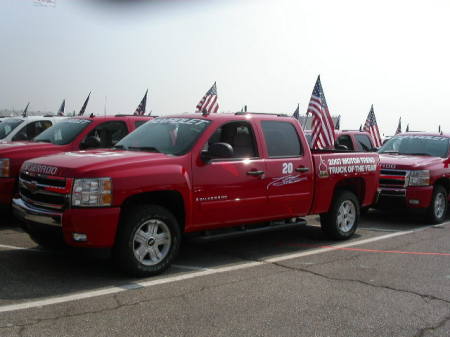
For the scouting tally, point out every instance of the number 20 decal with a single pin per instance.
(288, 168)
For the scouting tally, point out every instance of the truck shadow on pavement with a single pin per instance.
(35, 273)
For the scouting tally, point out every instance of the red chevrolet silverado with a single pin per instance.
(351, 140)
(415, 174)
(68, 135)
(209, 176)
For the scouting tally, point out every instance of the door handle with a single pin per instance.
(302, 169)
(255, 173)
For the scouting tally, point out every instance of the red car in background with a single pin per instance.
(77, 133)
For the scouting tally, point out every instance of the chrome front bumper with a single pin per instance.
(28, 213)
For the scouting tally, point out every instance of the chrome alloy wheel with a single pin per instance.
(151, 242)
(346, 216)
(439, 205)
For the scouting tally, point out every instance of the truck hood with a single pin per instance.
(403, 162)
(18, 149)
(92, 163)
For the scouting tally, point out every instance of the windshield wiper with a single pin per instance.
(390, 152)
(144, 148)
(416, 154)
(44, 140)
(120, 147)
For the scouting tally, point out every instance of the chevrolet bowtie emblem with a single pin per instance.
(32, 186)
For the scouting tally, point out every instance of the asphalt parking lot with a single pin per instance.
(391, 279)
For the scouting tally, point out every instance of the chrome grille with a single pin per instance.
(44, 191)
(393, 178)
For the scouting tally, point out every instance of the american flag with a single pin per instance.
(140, 110)
(322, 124)
(24, 113)
(338, 123)
(371, 127)
(208, 103)
(83, 108)
(399, 127)
(296, 114)
(61, 108)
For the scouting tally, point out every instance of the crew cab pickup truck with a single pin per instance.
(351, 140)
(203, 175)
(415, 173)
(68, 135)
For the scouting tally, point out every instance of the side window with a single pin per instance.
(364, 142)
(31, 130)
(139, 123)
(108, 133)
(239, 135)
(281, 139)
(346, 141)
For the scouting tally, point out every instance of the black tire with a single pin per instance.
(129, 244)
(437, 212)
(333, 227)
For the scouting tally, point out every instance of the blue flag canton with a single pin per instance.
(371, 120)
(212, 91)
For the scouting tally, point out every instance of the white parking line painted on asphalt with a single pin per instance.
(187, 276)
(179, 266)
(21, 248)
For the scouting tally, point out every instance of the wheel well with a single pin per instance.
(355, 185)
(445, 183)
(171, 200)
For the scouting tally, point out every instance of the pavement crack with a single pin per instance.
(425, 297)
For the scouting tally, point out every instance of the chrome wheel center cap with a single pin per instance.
(151, 242)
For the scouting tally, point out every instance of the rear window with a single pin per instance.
(281, 139)
(139, 123)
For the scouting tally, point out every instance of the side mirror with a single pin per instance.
(217, 150)
(90, 142)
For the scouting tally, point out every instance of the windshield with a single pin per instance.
(173, 136)
(433, 146)
(63, 132)
(6, 126)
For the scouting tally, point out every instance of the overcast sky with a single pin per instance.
(267, 54)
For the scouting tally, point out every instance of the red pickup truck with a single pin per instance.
(415, 174)
(212, 176)
(351, 140)
(68, 135)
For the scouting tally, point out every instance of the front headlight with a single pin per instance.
(4, 167)
(92, 192)
(419, 178)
